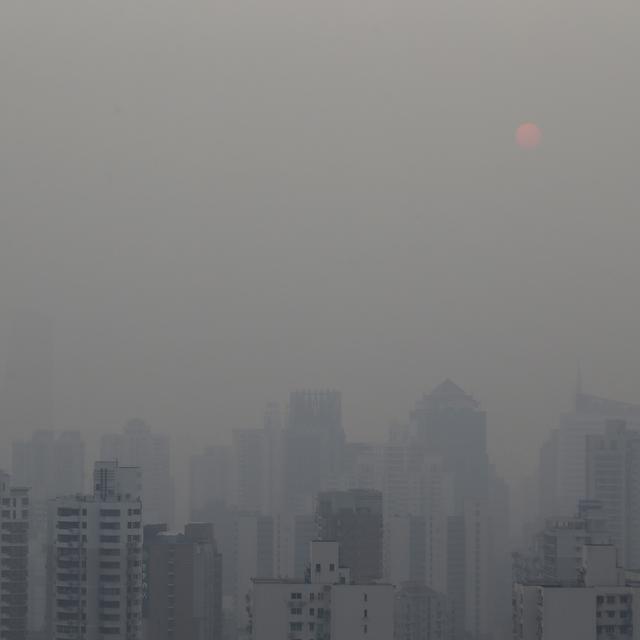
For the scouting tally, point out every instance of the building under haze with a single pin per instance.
(95, 559)
(184, 578)
(422, 613)
(563, 458)
(138, 446)
(604, 606)
(613, 481)
(450, 424)
(209, 481)
(327, 604)
(27, 391)
(354, 519)
(14, 551)
(50, 464)
(314, 443)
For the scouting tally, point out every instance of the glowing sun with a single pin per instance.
(528, 136)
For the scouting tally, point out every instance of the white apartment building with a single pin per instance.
(324, 605)
(14, 551)
(95, 559)
(605, 606)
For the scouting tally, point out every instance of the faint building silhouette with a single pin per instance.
(138, 446)
(354, 519)
(184, 574)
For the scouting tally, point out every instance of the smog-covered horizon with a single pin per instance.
(217, 203)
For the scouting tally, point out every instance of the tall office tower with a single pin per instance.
(613, 480)
(184, 574)
(564, 455)
(14, 552)
(422, 613)
(50, 465)
(327, 604)
(27, 401)
(95, 559)
(138, 446)
(354, 520)
(450, 424)
(249, 449)
(314, 447)
(209, 481)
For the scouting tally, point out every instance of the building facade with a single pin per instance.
(184, 576)
(325, 605)
(354, 519)
(606, 605)
(138, 446)
(14, 552)
(95, 559)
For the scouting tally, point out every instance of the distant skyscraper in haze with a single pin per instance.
(613, 481)
(50, 465)
(209, 481)
(449, 423)
(563, 459)
(27, 398)
(249, 448)
(354, 520)
(14, 556)
(184, 573)
(95, 559)
(314, 444)
(138, 446)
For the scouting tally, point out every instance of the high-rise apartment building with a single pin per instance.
(95, 559)
(354, 519)
(184, 576)
(327, 604)
(138, 446)
(14, 551)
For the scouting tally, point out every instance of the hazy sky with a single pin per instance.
(221, 201)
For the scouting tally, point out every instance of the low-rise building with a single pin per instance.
(324, 604)
(605, 605)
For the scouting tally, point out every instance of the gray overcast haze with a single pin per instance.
(218, 202)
